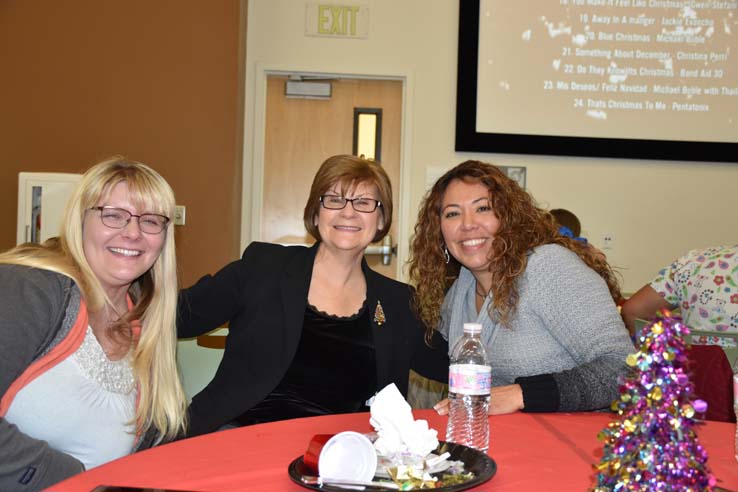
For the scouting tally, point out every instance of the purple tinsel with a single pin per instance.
(652, 446)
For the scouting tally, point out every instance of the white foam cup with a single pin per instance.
(348, 456)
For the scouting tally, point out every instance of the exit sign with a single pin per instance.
(338, 21)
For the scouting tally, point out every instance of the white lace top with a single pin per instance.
(82, 406)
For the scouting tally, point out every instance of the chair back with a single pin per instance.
(712, 377)
(727, 340)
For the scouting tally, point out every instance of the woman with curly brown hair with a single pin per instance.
(484, 252)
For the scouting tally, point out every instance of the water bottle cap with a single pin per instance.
(472, 328)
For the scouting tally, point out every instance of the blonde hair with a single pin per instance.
(162, 401)
(348, 171)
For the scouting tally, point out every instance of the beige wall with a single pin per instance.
(655, 209)
(157, 81)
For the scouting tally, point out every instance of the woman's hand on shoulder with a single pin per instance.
(504, 399)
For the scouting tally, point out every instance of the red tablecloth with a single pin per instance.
(534, 452)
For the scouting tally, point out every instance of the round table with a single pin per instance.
(533, 452)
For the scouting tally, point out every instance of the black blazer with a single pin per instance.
(263, 297)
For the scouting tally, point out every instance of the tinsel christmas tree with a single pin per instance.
(652, 446)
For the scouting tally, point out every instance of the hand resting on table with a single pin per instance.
(503, 399)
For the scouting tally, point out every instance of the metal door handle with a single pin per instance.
(386, 250)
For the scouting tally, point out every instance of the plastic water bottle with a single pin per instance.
(469, 384)
(735, 408)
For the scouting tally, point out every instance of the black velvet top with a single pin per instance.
(263, 297)
(334, 371)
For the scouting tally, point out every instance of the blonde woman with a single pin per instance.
(87, 332)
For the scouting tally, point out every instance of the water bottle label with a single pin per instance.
(469, 379)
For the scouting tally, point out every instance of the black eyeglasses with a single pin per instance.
(118, 218)
(335, 202)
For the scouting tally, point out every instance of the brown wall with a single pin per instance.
(159, 81)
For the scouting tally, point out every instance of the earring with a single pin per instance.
(445, 253)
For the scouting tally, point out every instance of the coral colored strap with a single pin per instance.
(63, 350)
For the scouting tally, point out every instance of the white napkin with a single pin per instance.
(398, 432)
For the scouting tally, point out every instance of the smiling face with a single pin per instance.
(347, 229)
(119, 256)
(469, 225)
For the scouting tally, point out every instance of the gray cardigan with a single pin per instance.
(38, 309)
(566, 345)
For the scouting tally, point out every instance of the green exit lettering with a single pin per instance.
(337, 20)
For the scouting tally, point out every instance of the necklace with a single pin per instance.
(479, 294)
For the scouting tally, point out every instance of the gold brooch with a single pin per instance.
(379, 318)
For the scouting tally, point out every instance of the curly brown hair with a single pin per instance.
(523, 226)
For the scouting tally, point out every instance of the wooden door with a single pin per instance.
(301, 133)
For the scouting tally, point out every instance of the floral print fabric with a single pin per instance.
(704, 284)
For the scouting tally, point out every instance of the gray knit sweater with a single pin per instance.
(566, 344)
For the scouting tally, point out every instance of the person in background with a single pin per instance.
(87, 332)
(554, 336)
(569, 224)
(312, 330)
(702, 283)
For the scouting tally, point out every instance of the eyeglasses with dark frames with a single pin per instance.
(118, 218)
(360, 204)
